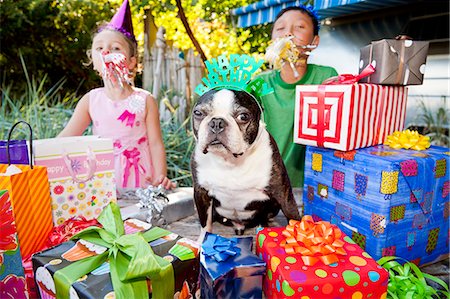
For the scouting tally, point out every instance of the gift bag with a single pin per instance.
(28, 189)
(12, 276)
(15, 151)
(81, 174)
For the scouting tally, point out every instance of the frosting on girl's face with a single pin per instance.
(106, 42)
(297, 24)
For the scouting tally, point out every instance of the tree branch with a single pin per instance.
(183, 18)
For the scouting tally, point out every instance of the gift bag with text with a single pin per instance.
(81, 174)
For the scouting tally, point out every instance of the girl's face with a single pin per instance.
(297, 24)
(108, 41)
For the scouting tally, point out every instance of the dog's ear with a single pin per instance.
(280, 188)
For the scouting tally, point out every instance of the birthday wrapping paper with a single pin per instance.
(12, 276)
(390, 202)
(180, 253)
(348, 116)
(307, 272)
(229, 269)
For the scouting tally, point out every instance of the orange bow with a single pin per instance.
(313, 240)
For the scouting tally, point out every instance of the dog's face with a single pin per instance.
(226, 122)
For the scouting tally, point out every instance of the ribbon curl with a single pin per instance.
(315, 241)
(407, 281)
(131, 260)
(349, 78)
(219, 248)
(408, 139)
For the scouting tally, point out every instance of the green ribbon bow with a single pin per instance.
(408, 282)
(131, 260)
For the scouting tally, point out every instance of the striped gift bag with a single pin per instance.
(30, 197)
(29, 193)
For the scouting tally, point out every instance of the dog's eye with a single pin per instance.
(243, 117)
(198, 113)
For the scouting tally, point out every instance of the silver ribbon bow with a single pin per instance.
(154, 200)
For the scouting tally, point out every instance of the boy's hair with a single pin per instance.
(305, 9)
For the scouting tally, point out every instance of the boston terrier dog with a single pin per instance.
(239, 177)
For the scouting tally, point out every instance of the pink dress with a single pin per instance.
(124, 122)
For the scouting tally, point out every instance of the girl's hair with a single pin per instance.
(305, 9)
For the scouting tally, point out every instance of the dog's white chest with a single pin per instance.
(236, 185)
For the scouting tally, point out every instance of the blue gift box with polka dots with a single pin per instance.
(391, 202)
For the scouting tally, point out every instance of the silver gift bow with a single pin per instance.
(154, 200)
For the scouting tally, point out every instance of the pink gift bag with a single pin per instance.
(81, 174)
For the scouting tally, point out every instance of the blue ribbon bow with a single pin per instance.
(220, 248)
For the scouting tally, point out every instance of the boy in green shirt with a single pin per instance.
(302, 24)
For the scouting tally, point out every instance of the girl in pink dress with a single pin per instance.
(120, 111)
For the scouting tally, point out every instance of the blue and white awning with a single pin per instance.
(266, 11)
(262, 12)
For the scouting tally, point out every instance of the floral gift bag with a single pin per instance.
(81, 174)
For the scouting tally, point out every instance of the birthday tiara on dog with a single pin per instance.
(234, 73)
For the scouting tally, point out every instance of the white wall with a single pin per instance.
(343, 54)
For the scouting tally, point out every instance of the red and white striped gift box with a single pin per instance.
(348, 116)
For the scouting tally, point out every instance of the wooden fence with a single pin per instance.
(172, 76)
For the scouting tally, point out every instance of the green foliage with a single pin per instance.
(436, 123)
(46, 110)
(53, 37)
(179, 144)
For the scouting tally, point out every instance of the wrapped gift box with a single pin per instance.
(397, 62)
(348, 116)
(229, 269)
(391, 202)
(181, 253)
(12, 276)
(350, 274)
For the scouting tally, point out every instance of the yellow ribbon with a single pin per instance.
(314, 241)
(408, 140)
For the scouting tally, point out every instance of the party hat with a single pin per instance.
(121, 21)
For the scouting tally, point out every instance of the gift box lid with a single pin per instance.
(230, 257)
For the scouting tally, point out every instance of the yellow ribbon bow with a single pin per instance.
(408, 140)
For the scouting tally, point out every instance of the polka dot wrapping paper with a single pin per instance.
(397, 62)
(355, 275)
(390, 202)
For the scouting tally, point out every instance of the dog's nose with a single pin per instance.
(217, 125)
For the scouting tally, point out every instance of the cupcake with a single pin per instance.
(82, 249)
(45, 283)
(134, 225)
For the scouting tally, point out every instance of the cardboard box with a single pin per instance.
(397, 62)
(391, 202)
(348, 116)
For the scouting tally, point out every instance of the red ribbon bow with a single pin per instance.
(349, 78)
(314, 241)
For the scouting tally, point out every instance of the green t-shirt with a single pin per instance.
(279, 108)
